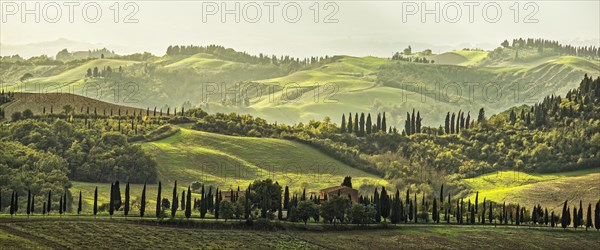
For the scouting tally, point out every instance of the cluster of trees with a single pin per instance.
(398, 57)
(106, 72)
(453, 124)
(88, 150)
(541, 44)
(243, 57)
(361, 127)
(65, 55)
(266, 199)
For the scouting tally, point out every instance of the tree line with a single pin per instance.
(268, 200)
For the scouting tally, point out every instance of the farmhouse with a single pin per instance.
(226, 195)
(341, 190)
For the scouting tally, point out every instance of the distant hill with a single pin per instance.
(289, 90)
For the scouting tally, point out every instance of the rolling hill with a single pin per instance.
(231, 161)
(548, 190)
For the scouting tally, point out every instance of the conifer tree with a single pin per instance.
(407, 124)
(183, 199)
(395, 213)
(111, 202)
(143, 203)
(580, 215)
(286, 198)
(350, 126)
(174, 205)
(418, 123)
(65, 202)
(204, 203)
(435, 215)
(60, 205)
(362, 124)
(377, 202)
(49, 203)
(188, 204)
(28, 202)
(483, 212)
(385, 204)
(552, 219)
(95, 201)
(413, 124)
(378, 125)
(369, 124)
(452, 123)
(356, 131)
(343, 126)
(12, 203)
(383, 123)
(565, 216)
(158, 199)
(218, 203)
(126, 208)
(588, 221)
(477, 202)
(575, 217)
(32, 204)
(597, 216)
(546, 220)
(79, 204)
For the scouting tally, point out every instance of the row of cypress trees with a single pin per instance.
(386, 207)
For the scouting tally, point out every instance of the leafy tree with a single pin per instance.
(305, 210)
(264, 195)
(347, 182)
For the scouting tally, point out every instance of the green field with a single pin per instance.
(111, 234)
(231, 161)
(549, 190)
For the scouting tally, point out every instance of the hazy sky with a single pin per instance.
(354, 27)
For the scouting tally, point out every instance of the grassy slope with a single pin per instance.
(550, 190)
(229, 161)
(74, 234)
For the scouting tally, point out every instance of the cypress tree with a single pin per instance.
(597, 216)
(356, 132)
(362, 124)
(49, 203)
(204, 203)
(580, 215)
(483, 212)
(377, 202)
(413, 124)
(126, 209)
(286, 198)
(369, 125)
(552, 219)
(247, 203)
(418, 122)
(435, 215)
(143, 203)
(79, 204)
(343, 126)
(350, 126)
(158, 199)
(546, 220)
(188, 204)
(28, 201)
(111, 202)
(378, 125)
(452, 123)
(183, 199)
(1, 208)
(407, 124)
(588, 221)
(565, 216)
(385, 204)
(12, 203)
(416, 207)
(65, 202)
(95, 201)
(44, 208)
(477, 202)
(60, 205)
(395, 216)
(174, 206)
(218, 204)
(383, 123)
(117, 194)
